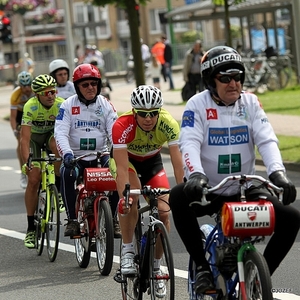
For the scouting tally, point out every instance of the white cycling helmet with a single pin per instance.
(146, 97)
(58, 64)
(24, 78)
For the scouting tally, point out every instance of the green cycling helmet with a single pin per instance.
(41, 82)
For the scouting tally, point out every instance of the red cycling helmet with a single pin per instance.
(84, 72)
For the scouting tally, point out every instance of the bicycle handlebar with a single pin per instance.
(146, 191)
(242, 179)
(98, 154)
(50, 158)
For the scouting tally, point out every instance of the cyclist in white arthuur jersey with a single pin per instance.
(84, 124)
(219, 130)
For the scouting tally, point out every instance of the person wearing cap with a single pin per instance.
(219, 131)
(37, 128)
(192, 69)
(60, 71)
(19, 97)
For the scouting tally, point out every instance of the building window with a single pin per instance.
(88, 15)
(44, 52)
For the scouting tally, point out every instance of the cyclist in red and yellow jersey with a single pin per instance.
(37, 129)
(18, 98)
(138, 137)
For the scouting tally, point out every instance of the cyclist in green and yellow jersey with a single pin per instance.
(37, 129)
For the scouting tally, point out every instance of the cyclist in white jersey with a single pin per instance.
(83, 124)
(59, 69)
(219, 131)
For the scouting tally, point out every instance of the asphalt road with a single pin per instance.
(24, 275)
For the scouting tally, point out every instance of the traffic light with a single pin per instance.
(137, 9)
(5, 30)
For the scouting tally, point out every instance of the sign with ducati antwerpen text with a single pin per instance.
(245, 219)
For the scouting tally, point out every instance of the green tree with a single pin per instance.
(227, 4)
(130, 7)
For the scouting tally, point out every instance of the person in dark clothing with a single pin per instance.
(168, 56)
(191, 68)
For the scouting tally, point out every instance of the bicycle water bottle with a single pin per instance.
(143, 243)
(42, 200)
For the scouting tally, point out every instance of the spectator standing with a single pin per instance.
(155, 70)
(168, 56)
(94, 54)
(59, 70)
(158, 50)
(192, 68)
(146, 55)
(19, 97)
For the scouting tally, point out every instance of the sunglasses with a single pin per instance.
(87, 84)
(147, 113)
(47, 93)
(228, 78)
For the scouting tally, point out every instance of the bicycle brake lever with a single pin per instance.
(126, 194)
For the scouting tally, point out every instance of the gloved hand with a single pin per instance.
(122, 207)
(68, 160)
(280, 179)
(194, 185)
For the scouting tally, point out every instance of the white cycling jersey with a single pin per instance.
(80, 129)
(219, 140)
(66, 91)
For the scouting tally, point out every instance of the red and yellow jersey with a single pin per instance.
(18, 99)
(140, 144)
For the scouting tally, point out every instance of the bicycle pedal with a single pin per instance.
(212, 292)
(76, 237)
(118, 277)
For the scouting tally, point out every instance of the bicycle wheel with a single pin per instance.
(272, 81)
(104, 238)
(53, 224)
(162, 282)
(284, 75)
(82, 245)
(39, 219)
(130, 286)
(258, 283)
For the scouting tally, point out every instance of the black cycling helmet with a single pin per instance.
(220, 59)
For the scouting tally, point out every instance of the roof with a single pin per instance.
(206, 10)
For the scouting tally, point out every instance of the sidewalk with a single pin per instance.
(120, 96)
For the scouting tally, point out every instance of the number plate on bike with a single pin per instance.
(99, 180)
(248, 219)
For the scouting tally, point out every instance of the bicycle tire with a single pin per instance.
(53, 224)
(284, 75)
(104, 238)
(82, 245)
(130, 286)
(167, 276)
(39, 220)
(258, 282)
(272, 81)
